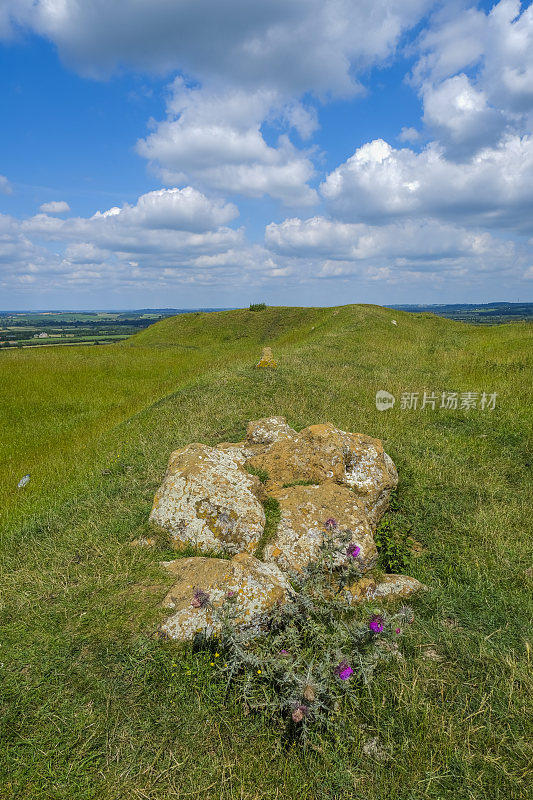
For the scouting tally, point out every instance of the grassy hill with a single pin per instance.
(89, 707)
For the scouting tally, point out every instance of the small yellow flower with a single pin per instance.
(212, 663)
(216, 655)
(259, 672)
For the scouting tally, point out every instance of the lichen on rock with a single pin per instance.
(314, 455)
(254, 585)
(322, 453)
(211, 498)
(388, 587)
(267, 359)
(207, 499)
(268, 430)
(370, 472)
(302, 528)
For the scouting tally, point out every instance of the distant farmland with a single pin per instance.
(39, 328)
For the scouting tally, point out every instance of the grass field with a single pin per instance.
(92, 706)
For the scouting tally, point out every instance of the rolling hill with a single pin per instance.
(90, 707)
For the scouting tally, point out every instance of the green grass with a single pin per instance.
(90, 706)
(272, 518)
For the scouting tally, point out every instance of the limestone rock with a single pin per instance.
(318, 454)
(370, 472)
(256, 587)
(301, 530)
(260, 434)
(389, 587)
(268, 430)
(322, 453)
(314, 455)
(238, 451)
(267, 359)
(208, 500)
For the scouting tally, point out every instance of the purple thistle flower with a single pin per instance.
(398, 630)
(284, 652)
(330, 524)
(353, 550)
(230, 594)
(343, 670)
(200, 598)
(376, 623)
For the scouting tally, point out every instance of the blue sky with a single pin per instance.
(308, 152)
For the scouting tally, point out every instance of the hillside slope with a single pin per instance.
(93, 707)
(54, 403)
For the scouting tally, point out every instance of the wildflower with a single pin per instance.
(200, 598)
(217, 655)
(259, 672)
(212, 663)
(299, 713)
(230, 594)
(398, 630)
(343, 670)
(376, 623)
(284, 652)
(353, 550)
(330, 524)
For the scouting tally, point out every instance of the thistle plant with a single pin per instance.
(310, 652)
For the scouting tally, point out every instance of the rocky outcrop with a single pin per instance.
(301, 529)
(208, 500)
(238, 451)
(259, 434)
(326, 481)
(314, 455)
(202, 585)
(323, 453)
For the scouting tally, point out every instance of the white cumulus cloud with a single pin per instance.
(179, 209)
(214, 139)
(166, 231)
(420, 242)
(295, 45)
(424, 252)
(460, 117)
(378, 182)
(475, 74)
(55, 207)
